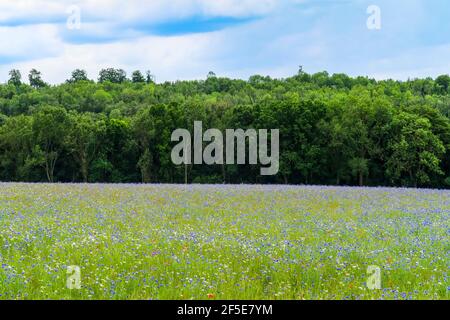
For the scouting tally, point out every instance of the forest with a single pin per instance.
(334, 129)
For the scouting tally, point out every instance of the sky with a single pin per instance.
(185, 39)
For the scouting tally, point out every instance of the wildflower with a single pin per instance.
(211, 296)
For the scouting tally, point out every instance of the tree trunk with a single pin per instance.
(84, 170)
(224, 173)
(50, 167)
(47, 171)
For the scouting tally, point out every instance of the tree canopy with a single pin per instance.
(334, 129)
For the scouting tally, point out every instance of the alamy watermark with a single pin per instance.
(235, 139)
(74, 278)
(374, 19)
(374, 279)
(74, 20)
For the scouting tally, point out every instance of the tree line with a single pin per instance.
(334, 129)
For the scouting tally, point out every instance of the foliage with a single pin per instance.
(334, 129)
(231, 242)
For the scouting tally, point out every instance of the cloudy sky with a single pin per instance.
(184, 39)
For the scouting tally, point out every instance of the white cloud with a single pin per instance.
(11, 10)
(169, 58)
(134, 10)
(287, 36)
(29, 41)
(406, 65)
(237, 7)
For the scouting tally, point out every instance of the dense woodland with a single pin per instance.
(334, 129)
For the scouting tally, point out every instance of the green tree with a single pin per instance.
(443, 83)
(112, 75)
(35, 79)
(416, 152)
(78, 75)
(16, 141)
(15, 77)
(137, 77)
(144, 131)
(333, 129)
(150, 78)
(84, 139)
(50, 128)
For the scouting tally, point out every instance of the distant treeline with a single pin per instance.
(334, 129)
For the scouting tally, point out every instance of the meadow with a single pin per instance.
(222, 242)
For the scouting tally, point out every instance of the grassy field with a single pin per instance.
(222, 242)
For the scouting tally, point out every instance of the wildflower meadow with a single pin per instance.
(222, 242)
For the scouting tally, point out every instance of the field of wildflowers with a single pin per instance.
(222, 242)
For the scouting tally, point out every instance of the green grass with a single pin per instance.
(222, 242)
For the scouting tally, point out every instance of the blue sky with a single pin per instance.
(184, 39)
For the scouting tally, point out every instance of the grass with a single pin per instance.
(222, 242)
